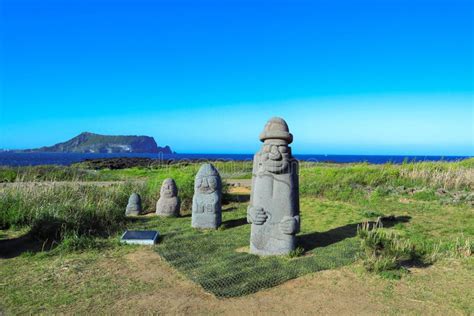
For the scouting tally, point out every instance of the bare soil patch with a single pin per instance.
(327, 292)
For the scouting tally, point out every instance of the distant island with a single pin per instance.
(95, 143)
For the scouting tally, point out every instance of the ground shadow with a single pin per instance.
(13, 247)
(230, 209)
(315, 240)
(228, 198)
(140, 220)
(234, 223)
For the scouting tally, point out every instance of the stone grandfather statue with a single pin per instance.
(274, 201)
(207, 212)
(134, 206)
(168, 203)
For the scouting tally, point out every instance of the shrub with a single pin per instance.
(298, 252)
(384, 250)
(7, 175)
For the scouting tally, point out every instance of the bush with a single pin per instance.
(7, 175)
(384, 250)
(297, 252)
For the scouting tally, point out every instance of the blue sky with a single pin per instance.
(350, 77)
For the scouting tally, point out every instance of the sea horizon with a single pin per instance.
(16, 159)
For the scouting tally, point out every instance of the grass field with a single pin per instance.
(60, 251)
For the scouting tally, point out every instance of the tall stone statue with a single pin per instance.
(134, 206)
(274, 201)
(168, 203)
(207, 212)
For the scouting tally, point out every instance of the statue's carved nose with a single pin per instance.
(274, 154)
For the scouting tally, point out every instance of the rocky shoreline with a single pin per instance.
(130, 162)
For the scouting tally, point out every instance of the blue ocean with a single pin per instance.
(33, 159)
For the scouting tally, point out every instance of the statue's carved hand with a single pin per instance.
(256, 215)
(289, 225)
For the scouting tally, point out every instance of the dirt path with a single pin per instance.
(331, 292)
(243, 183)
(336, 292)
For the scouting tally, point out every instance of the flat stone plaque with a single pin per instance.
(140, 237)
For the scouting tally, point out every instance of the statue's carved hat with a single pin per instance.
(207, 170)
(276, 128)
(170, 182)
(134, 199)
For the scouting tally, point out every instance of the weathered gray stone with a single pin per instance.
(274, 201)
(207, 212)
(134, 206)
(168, 203)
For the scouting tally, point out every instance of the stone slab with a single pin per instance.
(140, 237)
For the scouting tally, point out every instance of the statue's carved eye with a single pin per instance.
(212, 183)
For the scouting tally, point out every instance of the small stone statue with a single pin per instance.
(134, 206)
(207, 212)
(274, 201)
(168, 203)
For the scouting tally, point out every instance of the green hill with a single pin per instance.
(94, 143)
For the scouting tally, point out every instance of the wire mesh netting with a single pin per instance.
(217, 260)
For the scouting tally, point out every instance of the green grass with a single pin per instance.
(53, 281)
(213, 258)
(334, 200)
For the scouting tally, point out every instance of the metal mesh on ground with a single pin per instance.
(213, 260)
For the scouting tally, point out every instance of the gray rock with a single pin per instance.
(441, 192)
(134, 206)
(168, 203)
(207, 211)
(274, 200)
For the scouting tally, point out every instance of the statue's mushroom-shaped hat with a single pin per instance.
(276, 128)
(169, 182)
(134, 198)
(207, 170)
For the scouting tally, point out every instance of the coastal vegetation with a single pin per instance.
(399, 224)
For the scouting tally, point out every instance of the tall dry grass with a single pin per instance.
(437, 175)
(53, 211)
(362, 180)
